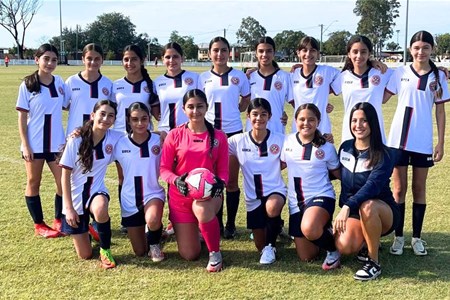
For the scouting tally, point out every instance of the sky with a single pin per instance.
(206, 19)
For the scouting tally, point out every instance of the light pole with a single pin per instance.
(60, 34)
(398, 31)
(405, 51)
(322, 31)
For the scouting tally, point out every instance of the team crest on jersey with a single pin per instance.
(278, 85)
(105, 91)
(61, 90)
(146, 89)
(375, 80)
(433, 86)
(235, 80)
(318, 80)
(189, 81)
(274, 149)
(320, 154)
(156, 149)
(109, 149)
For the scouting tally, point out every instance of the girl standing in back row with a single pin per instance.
(418, 86)
(39, 103)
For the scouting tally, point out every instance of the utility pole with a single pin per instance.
(224, 33)
(321, 36)
(405, 53)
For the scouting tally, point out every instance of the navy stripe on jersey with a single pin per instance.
(262, 147)
(127, 126)
(223, 77)
(177, 81)
(267, 82)
(218, 115)
(139, 192)
(144, 149)
(257, 179)
(365, 79)
(92, 85)
(407, 117)
(98, 150)
(299, 191)
(47, 132)
(307, 149)
(52, 89)
(423, 79)
(172, 116)
(86, 194)
(86, 117)
(309, 78)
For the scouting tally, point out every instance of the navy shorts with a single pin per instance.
(257, 218)
(395, 215)
(83, 226)
(48, 156)
(405, 158)
(136, 220)
(295, 220)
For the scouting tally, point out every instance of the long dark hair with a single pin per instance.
(137, 106)
(32, 81)
(308, 40)
(172, 45)
(376, 148)
(92, 47)
(353, 40)
(137, 50)
(270, 41)
(219, 39)
(259, 103)
(196, 93)
(87, 144)
(318, 139)
(426, 37)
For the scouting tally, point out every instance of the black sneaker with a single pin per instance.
(369, 271)
(229, 233)
(363, 255)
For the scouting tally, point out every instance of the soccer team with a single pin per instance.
(199, 125)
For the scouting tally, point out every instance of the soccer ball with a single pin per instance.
(199, 182)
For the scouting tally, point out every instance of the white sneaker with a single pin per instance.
(418, 246)
(215, 263)
(397, 246)
(268, 255)
(155, 253)
(332, 261)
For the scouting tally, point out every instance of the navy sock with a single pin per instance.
(418, 215)
(232, 208)
(104, 232)
(58, 206)
(401, 220)
(119, 190)
(154, 237)
(326, 241)
(273, 229)
(35, 208)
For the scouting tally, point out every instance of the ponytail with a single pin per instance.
(212, 136)
(32, 82)
(438, 91)
(152, 98)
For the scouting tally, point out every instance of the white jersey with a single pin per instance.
(223, 92)
(140, 164)
(314, 88)
(81, 97)
(125, 93)
(368, 87)
(171, 91)
(45, 130)
(84, 186)
(412, 125)
(260, 164)
(275, 88)
(308, 168)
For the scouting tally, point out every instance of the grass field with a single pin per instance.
(36, 268)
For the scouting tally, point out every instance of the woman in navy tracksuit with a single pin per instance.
(368, 210)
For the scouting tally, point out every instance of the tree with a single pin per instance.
(74, 41)
(287, 41)
(16, 16)
(443, 44)
(113, 31)
(392, 46)
(190, 49)
(337, 43)
(249, 32)
(377, 20)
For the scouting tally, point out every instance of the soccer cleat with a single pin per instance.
(397, 246)
(363, 255)
(268, 255)
(44, 230)
(215, 262)
(332, 261)
(229, 232)
(93, 232)
(418, 246)
(57, 225)
(107, 259)
(155, 253)
(371, 270)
